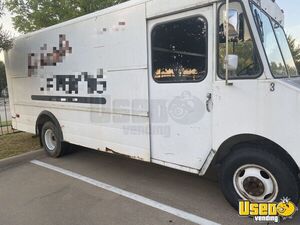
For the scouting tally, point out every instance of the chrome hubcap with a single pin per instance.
(255, 183)
(50, 140)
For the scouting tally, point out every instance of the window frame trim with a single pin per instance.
(244, 77)
(206, 52)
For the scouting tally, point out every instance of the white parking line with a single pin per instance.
(177, 212)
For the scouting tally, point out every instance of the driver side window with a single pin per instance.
(241, 43)
(179, 51)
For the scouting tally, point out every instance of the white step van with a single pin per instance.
(180, 83)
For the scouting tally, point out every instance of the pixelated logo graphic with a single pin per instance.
(120, 26)
(266, 212)
(186, 109)
(67, 86)
(57, 55)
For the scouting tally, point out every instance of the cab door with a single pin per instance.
(180, 85)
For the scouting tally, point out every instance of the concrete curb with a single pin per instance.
(19, 159)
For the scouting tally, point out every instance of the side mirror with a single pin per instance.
(233, 62)
(234, 23)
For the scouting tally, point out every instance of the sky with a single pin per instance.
(292, 20)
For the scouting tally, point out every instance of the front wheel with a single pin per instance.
(257, 175)
(51, 140)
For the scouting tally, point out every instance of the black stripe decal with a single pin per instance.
(85, 100)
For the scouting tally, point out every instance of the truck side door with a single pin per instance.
(180, 80)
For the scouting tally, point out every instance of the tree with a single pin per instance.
(5, 44)
(295, 48)
(5, 39)
(31, 15)
(3, 83)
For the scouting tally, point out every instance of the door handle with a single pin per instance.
(208, 102)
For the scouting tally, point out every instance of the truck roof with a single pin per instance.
(155, 8)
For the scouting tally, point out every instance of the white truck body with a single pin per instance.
(127, 111)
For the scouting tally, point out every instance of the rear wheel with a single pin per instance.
(51, 140)
(258, 175)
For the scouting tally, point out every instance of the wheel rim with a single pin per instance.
(255, 183)
(50, 140)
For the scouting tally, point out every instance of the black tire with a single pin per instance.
(58, 147)
(286, 178)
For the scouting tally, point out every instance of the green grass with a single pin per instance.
(5, 123)
(17, 143)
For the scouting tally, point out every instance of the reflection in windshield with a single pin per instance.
(276, 46)
(287, 55)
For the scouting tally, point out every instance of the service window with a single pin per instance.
(179, 51)
(241, 43)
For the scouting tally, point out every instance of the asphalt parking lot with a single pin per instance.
(88, 187)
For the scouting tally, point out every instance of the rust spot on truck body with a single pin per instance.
(108, 150)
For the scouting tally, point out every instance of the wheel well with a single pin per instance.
(44, 117)
(235, 143)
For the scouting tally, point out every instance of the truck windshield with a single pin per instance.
(275, 44)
